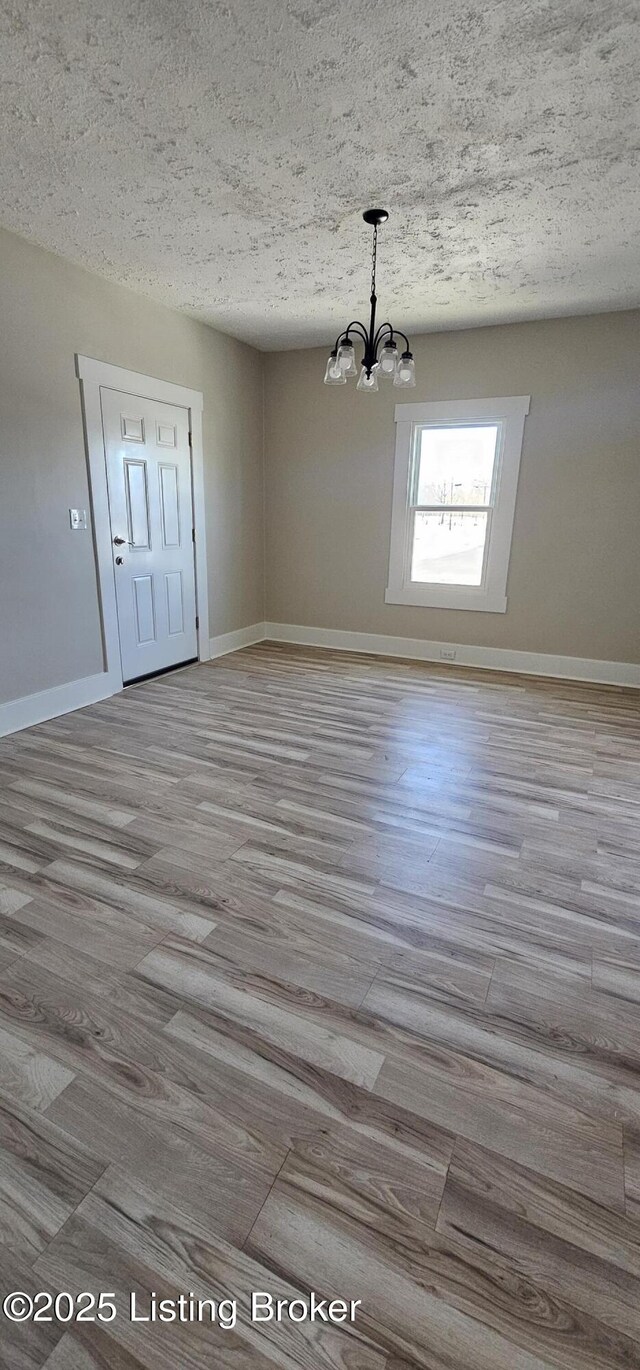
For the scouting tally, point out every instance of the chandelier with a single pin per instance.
(380, 355)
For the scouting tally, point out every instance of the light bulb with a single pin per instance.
(366, 382)
(347, 359)
(405, 370)
(388, 359)
(333, 374)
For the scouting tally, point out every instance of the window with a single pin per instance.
(456, 474)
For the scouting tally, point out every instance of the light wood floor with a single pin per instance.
(323, 972)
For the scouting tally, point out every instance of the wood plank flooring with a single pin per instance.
(322, 972)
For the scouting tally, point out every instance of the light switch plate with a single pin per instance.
(78, 518)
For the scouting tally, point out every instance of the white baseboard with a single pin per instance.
(232, 642)
(61, 699)
(491, 658)
(77, 694)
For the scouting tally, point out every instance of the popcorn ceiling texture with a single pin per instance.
(216, 156)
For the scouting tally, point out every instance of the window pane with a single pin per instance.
(448, 548)
(456, 464)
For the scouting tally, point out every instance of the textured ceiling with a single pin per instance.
(216, 154)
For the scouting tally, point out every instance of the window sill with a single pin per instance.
(448, 597)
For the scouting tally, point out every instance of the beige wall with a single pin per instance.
(574, 578)
(49, 310)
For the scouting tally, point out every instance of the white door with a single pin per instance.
(150, 501)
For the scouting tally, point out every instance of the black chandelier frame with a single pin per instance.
(372, 337)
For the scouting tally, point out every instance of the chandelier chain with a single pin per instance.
(374, 254)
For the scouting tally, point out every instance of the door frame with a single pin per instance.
(93, 375)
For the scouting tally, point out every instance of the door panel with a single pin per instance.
(175, 603)
(165, 434)
(170, 507)
(145, 619)
(132, 429)
(137, 494)
(150, 503)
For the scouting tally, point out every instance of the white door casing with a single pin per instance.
(95, 375)
(149, 481)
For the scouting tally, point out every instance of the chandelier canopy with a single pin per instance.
(380, 356)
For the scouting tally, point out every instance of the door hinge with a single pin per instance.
(193, 534)
(190, 438)
(197, 621)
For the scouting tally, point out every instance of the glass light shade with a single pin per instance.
(366, 382)
(347, 359)
(333, 374)
(405, 371)
(388, 359)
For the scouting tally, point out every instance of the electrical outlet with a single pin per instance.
(447, 653)
(78, 518)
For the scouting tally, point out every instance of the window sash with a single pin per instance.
(417, 429)
(446, 509)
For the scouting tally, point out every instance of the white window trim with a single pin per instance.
(491, 597)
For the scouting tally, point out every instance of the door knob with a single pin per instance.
(119, 561)
(119, 542)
